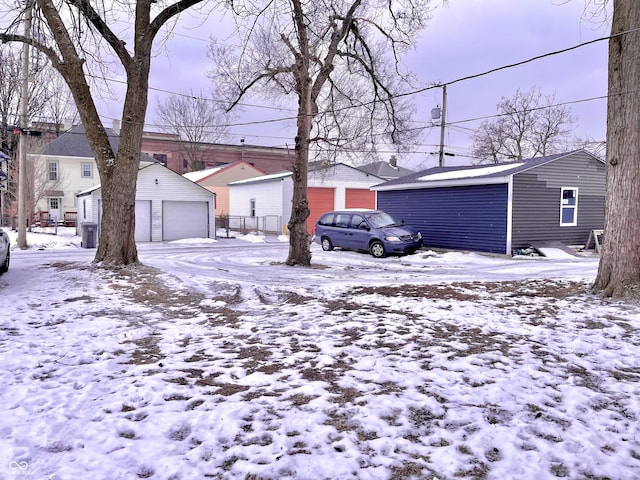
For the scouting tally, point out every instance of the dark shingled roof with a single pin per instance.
(74, 143)
(385, 170)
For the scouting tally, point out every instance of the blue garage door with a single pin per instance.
(461, 218)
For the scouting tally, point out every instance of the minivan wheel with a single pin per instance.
(327, 246)
(377, 249)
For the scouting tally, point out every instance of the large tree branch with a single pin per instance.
(93, 17)
(51, 54)
(270, 74)
(171, 11)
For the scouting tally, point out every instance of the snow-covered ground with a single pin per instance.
(216, 360)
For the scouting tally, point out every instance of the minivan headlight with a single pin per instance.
(392, 238)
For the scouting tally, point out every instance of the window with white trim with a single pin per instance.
(52, 171)
(568, 207)
(87, 170)
(252, 207)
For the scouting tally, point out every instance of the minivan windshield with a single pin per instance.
(381, 220)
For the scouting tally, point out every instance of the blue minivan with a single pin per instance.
(374, 231)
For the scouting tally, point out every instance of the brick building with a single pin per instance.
(168, 149)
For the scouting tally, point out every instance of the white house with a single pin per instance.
(264, 203)
(65, 167)
(168, 206)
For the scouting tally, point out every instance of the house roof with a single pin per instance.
(74, 143)
(208, 172)
(385, 170)
(313, 168)
(470, 175)
(320, 167)
(263, 178)
(143, 165)
(202, 174)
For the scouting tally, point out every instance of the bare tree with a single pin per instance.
(619, 269)
(70, 34)
(597, 148)
(10, 79)
(197, 121)
(340, 60)
(60, 108)
(528, 125)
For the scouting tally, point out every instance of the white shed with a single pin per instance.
(262, 201)
(168, 206)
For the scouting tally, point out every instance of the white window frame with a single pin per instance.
(83, 171)
(565, 206)
(252, 207)
(52, 171)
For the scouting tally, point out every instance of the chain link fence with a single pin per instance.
(272, 224)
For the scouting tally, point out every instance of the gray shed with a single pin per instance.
(500, 208)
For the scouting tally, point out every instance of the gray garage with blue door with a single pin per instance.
(500, 208)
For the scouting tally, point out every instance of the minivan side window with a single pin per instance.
(326, 220)
(343, 220)
(357, 221)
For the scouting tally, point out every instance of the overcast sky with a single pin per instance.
(466, 37)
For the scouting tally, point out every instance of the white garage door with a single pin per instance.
(184, 220)
(143, 220)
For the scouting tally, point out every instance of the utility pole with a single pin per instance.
(24, 110)
(442, 124)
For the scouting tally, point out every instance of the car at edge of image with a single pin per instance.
(5, 252)
(374, 231)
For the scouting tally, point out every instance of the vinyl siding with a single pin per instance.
(269, 197)
(222, 199)
(70, 179)
(170, 186)
(536, 201)
(460, 218)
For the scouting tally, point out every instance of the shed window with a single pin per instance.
(252, 207)
(568, 207)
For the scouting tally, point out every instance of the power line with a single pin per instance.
(414, 92)
(523, 62)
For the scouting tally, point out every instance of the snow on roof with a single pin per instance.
(263, 178)
(201, 174)
(476, 172)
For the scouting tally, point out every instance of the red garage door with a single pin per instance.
(360, 198)
(320, 201)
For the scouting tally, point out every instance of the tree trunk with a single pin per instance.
(117, 235)
(619, 270)
(299, 242)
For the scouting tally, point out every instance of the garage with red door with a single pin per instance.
(360, 198)
(321, 200)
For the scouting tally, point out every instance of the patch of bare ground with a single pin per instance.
(472, 291)
(146, 350)
(147, 286)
